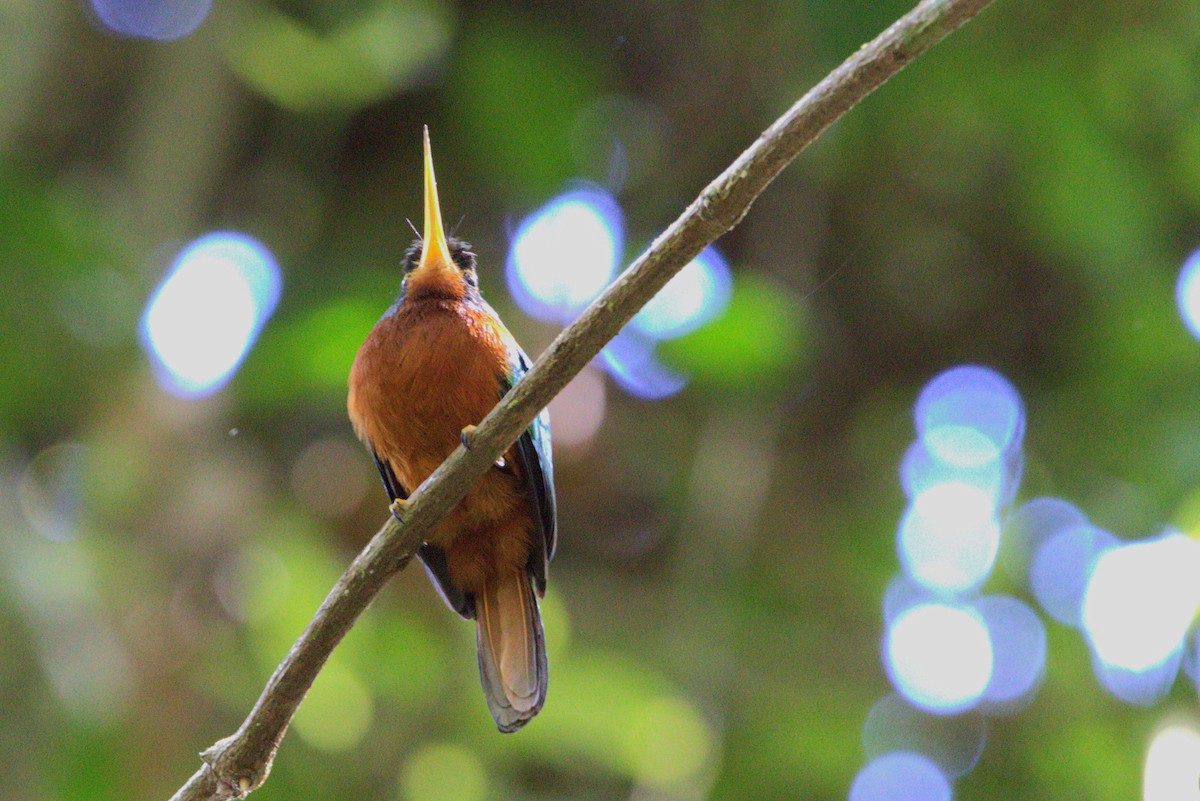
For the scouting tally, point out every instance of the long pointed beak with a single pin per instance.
(435, 251)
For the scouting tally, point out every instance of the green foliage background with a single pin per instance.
(1023, 197)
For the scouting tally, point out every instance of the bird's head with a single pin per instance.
(436, 266)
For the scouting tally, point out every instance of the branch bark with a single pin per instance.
(238, 764)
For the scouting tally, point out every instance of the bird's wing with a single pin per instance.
(393, 487)
(534, 458)
(434, 558)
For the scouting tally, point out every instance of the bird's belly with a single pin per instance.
(414, 388)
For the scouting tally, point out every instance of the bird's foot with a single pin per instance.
(397, 509)
(465, 437)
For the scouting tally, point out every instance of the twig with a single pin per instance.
(238, 764)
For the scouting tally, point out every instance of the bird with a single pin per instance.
(432, 367)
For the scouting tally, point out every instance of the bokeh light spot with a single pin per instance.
(331, 478)
(921, 470)
(1190, 663)
(162, 20)
(696, 295)
(901, 593)
(1060, 567)
(1019, 651)
(939, 657)
(89, 669)
(1142, 687)
(337, 711)
(949, 537)
(969, 415)
(1031, 524)
(253, 584)
(669, 743)
(631, 361)
(1187, 294)
(953, 742)
(1140, 600)
(50, 491)
(443, 772)
(202, 319)
(1172, 769)
(763, 339)
(1037, 519)
(620, 141)
(578, 411)
(900, 777)
(565, 254)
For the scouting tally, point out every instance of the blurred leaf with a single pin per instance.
(367, 57)
(775, 746)
(1185, 162)
(408, 659)
(517, 88)
(1089, 199)
(50, 252)
(309, 355)
(444, 772)
(1146, 84)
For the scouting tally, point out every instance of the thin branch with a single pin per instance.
(238, 764)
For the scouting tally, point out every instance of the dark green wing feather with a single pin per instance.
(536, 465)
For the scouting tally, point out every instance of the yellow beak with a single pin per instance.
(435, 251)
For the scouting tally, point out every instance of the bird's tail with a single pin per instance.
(512, 651)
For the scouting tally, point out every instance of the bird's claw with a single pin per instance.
(397, 509)
(465, 436)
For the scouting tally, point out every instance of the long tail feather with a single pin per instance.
(512, 651)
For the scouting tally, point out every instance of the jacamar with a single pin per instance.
(433, 366)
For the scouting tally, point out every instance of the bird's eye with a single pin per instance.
(461, 254)
(464, 260)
